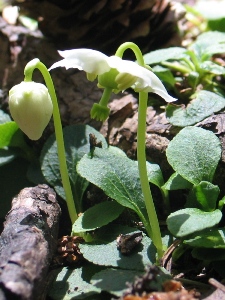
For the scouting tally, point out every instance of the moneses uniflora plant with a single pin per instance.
(31, 108)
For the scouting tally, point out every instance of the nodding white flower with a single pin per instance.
(91, 61)
(113, 72)
(31, 107)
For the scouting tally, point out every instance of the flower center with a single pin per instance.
(108, 79)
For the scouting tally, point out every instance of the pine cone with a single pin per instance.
(104, 24)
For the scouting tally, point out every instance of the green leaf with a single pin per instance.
(177, 182)
(93, 217)
(189, 220)
(218, 24)
(154, 174)
(213, 68)
(12, 143)
(165, 75)
(193, 79)
(105, 252)
(114, 281)
(214, 238)
(7, 155)
(7, 131)
(157, 56)
(70, 284)
(221, 203)
(117, 176)
(208, 254)
(203, 196)
(203, 46)
(207, 195)
(205, 104)
(11, 137)
(194, 153)
(116, 151)
(76, 138)
(191, 201)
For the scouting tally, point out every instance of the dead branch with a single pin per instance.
(28, 242)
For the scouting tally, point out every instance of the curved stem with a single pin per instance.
(134, 48)
(141, 155)
(154, 231)
(28, 71)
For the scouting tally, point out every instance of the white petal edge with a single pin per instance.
(146, 80)
(88, 60)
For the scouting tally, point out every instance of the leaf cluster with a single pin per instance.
(112, 171)
(193, 154)
(194, 76)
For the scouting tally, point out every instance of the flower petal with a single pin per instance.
(146, 80)
(149, 82)
(96, 63)
(91, 61)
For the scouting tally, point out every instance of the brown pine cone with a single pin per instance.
(105, 24)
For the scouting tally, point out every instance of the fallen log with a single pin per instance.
(28, 242)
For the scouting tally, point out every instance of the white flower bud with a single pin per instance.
(31, 107)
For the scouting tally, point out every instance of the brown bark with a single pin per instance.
(28, 242)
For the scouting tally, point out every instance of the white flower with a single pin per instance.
(90, 61)
(128, 73)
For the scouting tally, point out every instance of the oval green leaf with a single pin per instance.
(143, 255)
(114, 281)
(70, 284)
(97, 216)
(176, 182)
(194, 153)
(205, 104)
(76, 139)
(189, 220)
(105, 252)
(157, 56)
(117, 176)
(214, 238)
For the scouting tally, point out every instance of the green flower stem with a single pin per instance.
(105, 97)
(141, 155)
(154, 231)
(28, 71)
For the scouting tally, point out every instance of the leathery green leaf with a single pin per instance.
(190, 220)
(117, 176)
(194, 153)
(97, 216)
